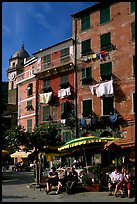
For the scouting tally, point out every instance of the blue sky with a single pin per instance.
(36, 24)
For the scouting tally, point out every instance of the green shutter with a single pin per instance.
(106, 69)
(29, 105)
(105, 40)
(46, 58)
(29, 125)
(133, 31)
(104, 15)
(46, 84)
(89, 72)
(46, 112)
(64, 52)
(86, 46)
(107, 105)
(85, 22)
(132, 7)
(87, 108)
(83, 73)
(63, 79)
(54, 112)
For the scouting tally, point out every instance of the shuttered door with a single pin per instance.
(105, 41)
(85, 22)
(29, 125)
(86, 47)
(87, 108)
(107, 105)
(104, 15)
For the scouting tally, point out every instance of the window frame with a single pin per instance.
(47, 60)
(29, 129)
(88, 112)
(64, 82)
(88, 50)
(85, 25)
(28, 92)
(104, 112)
(29, 105)
(109, 74)
(87, 79)
(45, 118)
(46, 87)
(103, 38)
(104, 15)
(132, 7)
(64, 55)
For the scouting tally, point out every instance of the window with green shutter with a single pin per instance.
(87, 75)
(29, 125)
(108, 105)
(54, 112)
(104, 15)
(106, 71)
(87, 108)
(46, 85)
(47, 61)
(86, 49)
(132, 7)
(105, 40)
(64, 81)
(46, 113)
(64, 55)
(85, 22)
(29, 105)
(65, 110)
(30, 90)
(133, 31)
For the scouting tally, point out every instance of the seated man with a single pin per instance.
(115, 177)
(72, 180)
(52, 180)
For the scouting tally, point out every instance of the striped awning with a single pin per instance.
(84, 141)
(122, 142)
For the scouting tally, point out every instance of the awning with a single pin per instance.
(5, 152)
(20, 154)
(85, 140)
(122, 142)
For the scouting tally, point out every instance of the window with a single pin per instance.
(46, 61)
(105, 40)
(64, 54)
(134, 65)
(46, 85)
(29, 105)
(106, 71)
(87, 76)
(65, 110)
(85, 22)
(54, 112)
(132, 7)
(13, 64)
(30, 90)
(66, 136)
(46, 113)
(108, 105)
(133, 31)
(133, 102)
(64, 81)
(29, 125)
(12, 84)
(86, 47)
(87, 108)
(104, 15)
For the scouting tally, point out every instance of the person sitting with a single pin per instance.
(52, 180)
(115, 176)
(126, 180)
(72, 180)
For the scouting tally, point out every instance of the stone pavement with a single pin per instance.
(16, 187)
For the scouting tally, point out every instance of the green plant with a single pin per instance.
(86, 179)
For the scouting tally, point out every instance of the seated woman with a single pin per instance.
(52, 180)
(126, 180)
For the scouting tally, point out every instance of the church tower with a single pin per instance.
(16, 63)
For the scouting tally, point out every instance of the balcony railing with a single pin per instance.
(54, 63)
(24, 76)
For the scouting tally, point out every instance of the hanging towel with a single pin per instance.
(45, 97)
(103, 52)
(93, 88)
(68, 92)
(90, 57)
(113, 118)
(105, 89)
(94, 56)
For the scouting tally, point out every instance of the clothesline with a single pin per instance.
(98, 55)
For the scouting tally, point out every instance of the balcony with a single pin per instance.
(53, 64)
(25, 76)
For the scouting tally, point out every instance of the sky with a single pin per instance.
(36, 25)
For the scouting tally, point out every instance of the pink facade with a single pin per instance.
(27, 96)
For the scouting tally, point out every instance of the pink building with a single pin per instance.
(26, 83)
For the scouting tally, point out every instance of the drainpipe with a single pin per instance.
(75, 75)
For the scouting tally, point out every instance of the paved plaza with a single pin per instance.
(16, 187)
